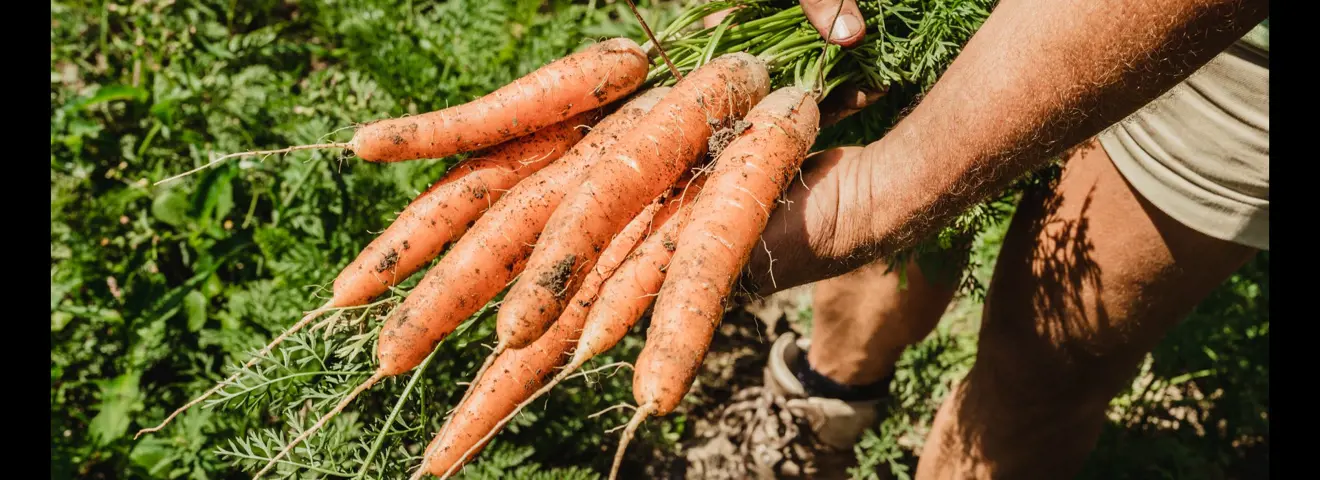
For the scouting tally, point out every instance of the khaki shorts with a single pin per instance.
(1201, 152)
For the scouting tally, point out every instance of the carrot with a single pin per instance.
(445, 211)
(581, 81)
(492, 398)
(726, 222)
(493, 251)
(648, 160)
(577, 83)
(429, 223)
(462, 430)
(440, 302)
(626, 295)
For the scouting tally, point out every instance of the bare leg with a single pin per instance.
(1090, 278)
(864, 320)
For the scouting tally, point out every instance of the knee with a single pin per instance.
(1028, 366)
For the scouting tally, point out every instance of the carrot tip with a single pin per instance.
(638, 418)
(262, 153)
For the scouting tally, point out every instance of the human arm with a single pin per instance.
(1037, 78)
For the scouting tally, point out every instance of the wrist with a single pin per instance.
(894, 192)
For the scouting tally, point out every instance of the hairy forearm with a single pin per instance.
(1037, 78)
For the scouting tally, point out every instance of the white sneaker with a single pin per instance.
(836, 423)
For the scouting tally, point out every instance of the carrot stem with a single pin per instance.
(321, 422)
(255, 358)
(656, 43)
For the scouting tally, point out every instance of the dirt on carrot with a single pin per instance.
(556, 278)
(722, 137)
(388, 261)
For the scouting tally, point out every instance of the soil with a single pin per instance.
(556, 278)
(724, 136)
(736, 361)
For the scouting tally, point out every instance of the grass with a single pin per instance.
(156, 291)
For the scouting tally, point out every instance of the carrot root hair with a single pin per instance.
(499, 348)
(585, 374)
(376, 377)
(312, 315)
(262, 153)
(637, 419)
(421, 472)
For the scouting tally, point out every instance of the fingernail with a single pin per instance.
(845, 27)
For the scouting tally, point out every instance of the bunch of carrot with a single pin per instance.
(594, 191)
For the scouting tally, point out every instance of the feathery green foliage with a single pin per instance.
(157, 292)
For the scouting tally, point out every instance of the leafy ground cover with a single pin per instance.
(157, 290)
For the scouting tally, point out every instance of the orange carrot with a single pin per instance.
(648, 160)
(404, 338)
(471, 420)
(626, 295)
(428, 314)
(429, 223)
(445, 211)
(397, 346)
(725, 225)
(577, 83)
(494, 250)
(521, 372)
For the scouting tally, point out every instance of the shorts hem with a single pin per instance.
(1241, 224)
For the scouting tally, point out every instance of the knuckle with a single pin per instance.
(814, 5)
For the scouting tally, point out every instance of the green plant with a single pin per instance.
(156, 291)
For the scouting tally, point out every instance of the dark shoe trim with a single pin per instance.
(818, 385)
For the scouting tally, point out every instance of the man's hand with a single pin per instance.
(811, 234)
(842, 26)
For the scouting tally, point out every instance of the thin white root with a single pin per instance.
(421, 471)
(263, 153)
(615, 366)
(321, 422)
(255, 359)
(490, 359)
(636, 421)
(611, 409)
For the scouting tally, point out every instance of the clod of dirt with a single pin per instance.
(556, 278)
(388, 262)
(724, 136)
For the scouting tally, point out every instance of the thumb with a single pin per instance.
(821, 230)
(840, 26)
